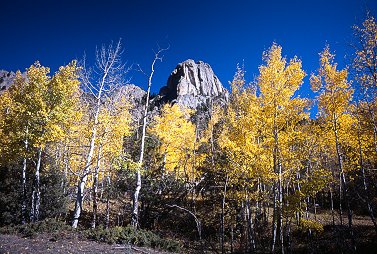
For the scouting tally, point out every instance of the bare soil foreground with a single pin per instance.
(13, 244)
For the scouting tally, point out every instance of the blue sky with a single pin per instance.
(222, 33)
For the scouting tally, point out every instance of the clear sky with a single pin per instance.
(221, 33)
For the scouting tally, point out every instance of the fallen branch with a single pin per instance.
(197, 221)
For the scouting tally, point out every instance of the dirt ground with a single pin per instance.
(330, 241)
(12, 244)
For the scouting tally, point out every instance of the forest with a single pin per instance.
(256, 174)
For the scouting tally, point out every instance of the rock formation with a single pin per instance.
(135, 96)
(193, 84)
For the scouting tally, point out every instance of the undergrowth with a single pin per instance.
(120, 235)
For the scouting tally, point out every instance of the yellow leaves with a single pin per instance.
(364, 62)
(176, 135)
(259, 127)
(334, 88)
(278, 81)
(314, 226)
(316, 82)
(40, 104)
(114, 125)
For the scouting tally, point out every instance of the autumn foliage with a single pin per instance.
(270, 170)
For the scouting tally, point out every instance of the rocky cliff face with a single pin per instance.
(6, 78)
(135, 96)
(193, 84)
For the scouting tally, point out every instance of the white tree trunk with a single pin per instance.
(343, 182)
(107, 219)
(86, 171)
(24, 165)
(36, 196)
(79, 199)
(108, 62)
(223, 215)
(274, 220)
(135, 205)
(95, 187)
(281, 208)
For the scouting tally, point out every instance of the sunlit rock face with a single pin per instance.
(193, 84)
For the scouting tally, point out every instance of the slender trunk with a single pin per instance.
(308, 168)
(332, 188)
(95, 187)
(107, 219)
(257, 204)
(266, 211)
(289, 239)
(84, 176)
(197, 221)
(250, 227)
(274, 220)
(79, 200)
(350, 212)
(343, 183)
(135, 210)
(223, 216)
(340, 165)
(36, 195)
(281, 232)
(108, 63)
(370, 208)
(24, 165)
(66, 165)
(279, 208)
(298, 214)
(365, 186)
(332, 206)
(340, 199)
(102, 188)
(287, 225)
(371, 112)
(135, 205)
(245, 234)
(315, 208)
(95, 201)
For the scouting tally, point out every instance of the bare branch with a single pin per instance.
(197, 221)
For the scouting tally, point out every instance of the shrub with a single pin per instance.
(121, 235)
(31, 229)
(128, 235)
(314, 226)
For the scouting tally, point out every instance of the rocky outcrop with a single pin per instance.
(135, 96)
(6, 79)
(193, 84)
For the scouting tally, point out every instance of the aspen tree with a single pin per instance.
(278, 81)
(113, 125)
(335, 95)
(38, 111)
(99, 84)
(135, 200)
(176, 136)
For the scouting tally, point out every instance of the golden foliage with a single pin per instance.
(177, 139)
